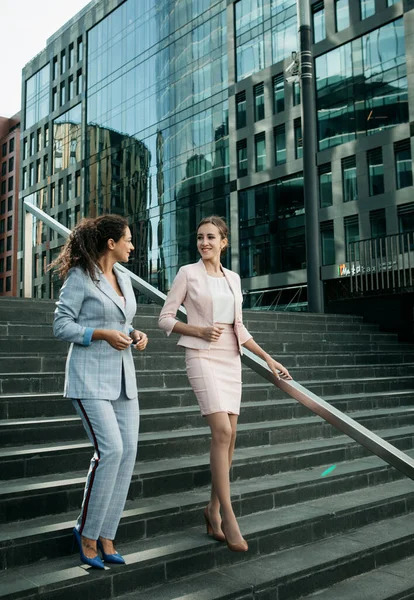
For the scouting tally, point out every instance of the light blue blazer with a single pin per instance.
(94, 368)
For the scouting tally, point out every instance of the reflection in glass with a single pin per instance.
(375, 171)
(67, 136)
(37, 96)
(159, 154)
(362, 86)
(403, 164)
(319, 27)
(342, 14)
(349, 179)
(280, 144)
(272, 233)
(367, 8)
(327, 243)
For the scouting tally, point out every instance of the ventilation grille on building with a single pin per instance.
(326, 226)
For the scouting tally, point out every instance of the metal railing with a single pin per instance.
(335, 417)
(382, 265)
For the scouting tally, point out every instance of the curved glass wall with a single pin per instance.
(159, 154)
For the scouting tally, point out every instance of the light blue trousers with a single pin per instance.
(112, 428)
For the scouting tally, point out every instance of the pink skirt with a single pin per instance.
(215, 374)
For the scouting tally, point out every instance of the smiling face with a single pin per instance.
(122, 248)
(209, 242)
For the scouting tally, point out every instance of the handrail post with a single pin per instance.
(27, 255)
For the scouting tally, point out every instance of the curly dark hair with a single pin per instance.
(86, 244)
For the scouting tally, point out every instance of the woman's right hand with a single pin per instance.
(211, 334)
(117, 339)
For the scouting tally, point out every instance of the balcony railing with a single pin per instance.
(382, 265)
(318, 406)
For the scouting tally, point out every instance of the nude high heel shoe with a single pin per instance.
(219, 537)
(242, 547)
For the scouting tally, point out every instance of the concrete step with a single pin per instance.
(171, 360)
(34, 382)
(165, 403)
(184, 419)
(288, 573)
(45, 459)
(383, 513)
(46, 536)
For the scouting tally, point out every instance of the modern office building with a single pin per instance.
(168, 110)
(9, 203)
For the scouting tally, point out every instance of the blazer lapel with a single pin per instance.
(105, 287)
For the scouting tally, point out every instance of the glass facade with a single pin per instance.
(140, 127)
(361, 86)
(272, 227)
(37, 96)
(258, 25)
(67, 139)
(159, 153)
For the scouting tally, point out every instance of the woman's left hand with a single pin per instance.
(140, 340)
(275, 367)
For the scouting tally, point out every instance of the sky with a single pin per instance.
(25, 26)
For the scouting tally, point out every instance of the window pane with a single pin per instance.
(280, 145)
(327, 243)
(319, 28)
(342, 14)
(403, 165)
(260, 148)
(279, 93)
(349, 179)
(375, 172)
(259, 107)
(367, 8)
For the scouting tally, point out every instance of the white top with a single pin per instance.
(223, 300)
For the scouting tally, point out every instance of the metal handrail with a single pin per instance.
(335, 417)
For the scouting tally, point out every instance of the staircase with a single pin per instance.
(346, 535)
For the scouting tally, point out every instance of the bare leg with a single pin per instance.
(107, 545)
(221, 442)
(214, 504)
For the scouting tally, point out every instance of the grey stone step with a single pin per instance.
(39, 495)
(45, 536)
(176, 378)
(167, 402)
(67, 428)
(168, 558)
(145, 361)
(389, 581)
(273, 577)
(41, 459)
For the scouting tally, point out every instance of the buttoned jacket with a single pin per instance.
(93, 367)
(190, 288)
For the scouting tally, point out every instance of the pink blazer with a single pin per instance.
(190, 288)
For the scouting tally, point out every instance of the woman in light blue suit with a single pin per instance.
(94, 312)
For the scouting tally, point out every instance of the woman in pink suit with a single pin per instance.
(213, 337)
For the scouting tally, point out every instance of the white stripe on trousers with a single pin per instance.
(112, 428)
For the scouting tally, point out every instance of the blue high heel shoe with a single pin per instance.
(115, 559)
(96, 562)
